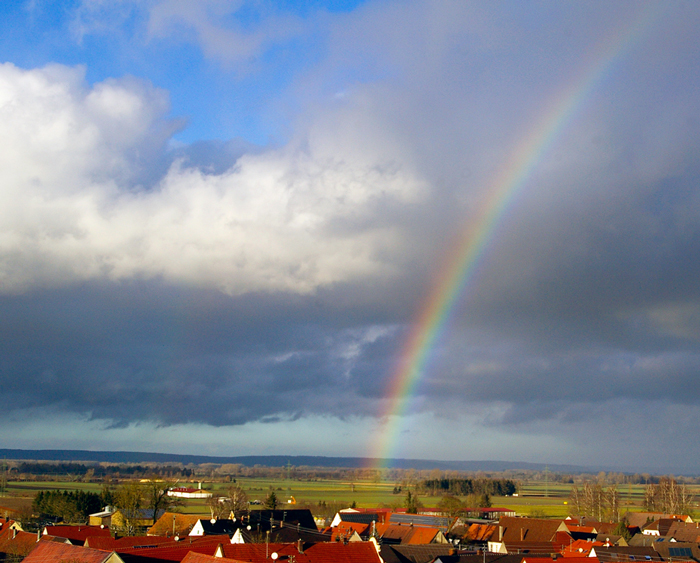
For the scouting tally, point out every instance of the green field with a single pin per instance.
(536, 498)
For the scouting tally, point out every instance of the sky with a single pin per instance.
(223, 223)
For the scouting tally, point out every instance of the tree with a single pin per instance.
(667, 496)
(271, 501)
(411, 504)
(575, 503)
(155, 493)
(238, 501)
(451, 505)
(613, 497)
(622, 530)
(218, 507)
(108, 495)
(234, 503)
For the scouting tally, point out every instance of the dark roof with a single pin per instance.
(359, 517)
(301, 517)
(622, 553)
(684, 531)
(222, 526)
(442, 522)
(678, 550)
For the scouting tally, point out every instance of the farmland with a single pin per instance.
(535, 498)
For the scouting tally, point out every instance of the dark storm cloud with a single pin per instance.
(239, 283)
(146, 352)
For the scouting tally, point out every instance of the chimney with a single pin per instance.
(300, 546)
(522, 534)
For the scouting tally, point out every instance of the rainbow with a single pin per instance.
(460, 266)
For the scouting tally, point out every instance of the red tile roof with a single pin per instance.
(50, 552)
(579, 548)
(174, 551)
(76, 534)
(111, 544)
(568, 560)
(326, 552)
(16, 542)
(193, 557)
(346, 529)
(403, 534)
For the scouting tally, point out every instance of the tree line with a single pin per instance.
(97, 471)
(465, 487)
(73, 506)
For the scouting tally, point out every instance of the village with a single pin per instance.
(236, 529)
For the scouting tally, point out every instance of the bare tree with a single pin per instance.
(613, 498)
(667, 496)
(238, 501)
(576, 502)
(155, 492)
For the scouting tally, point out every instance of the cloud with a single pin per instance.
(293, 219)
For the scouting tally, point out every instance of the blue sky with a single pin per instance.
(219, 220)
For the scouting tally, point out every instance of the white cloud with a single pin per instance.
(276, 221)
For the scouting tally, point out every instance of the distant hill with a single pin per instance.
(280, 460)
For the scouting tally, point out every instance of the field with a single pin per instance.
(536, 498)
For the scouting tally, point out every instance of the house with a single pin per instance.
(189, 492)
(141, 518)
(174, 524)
(102, 518)
(490, 513)
(641, 519)
(530, 535)
(659, 527)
